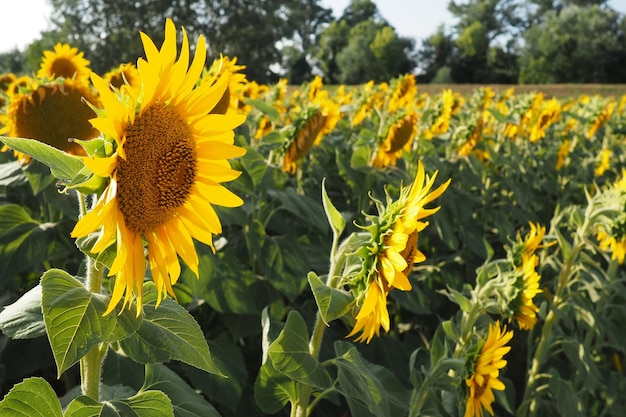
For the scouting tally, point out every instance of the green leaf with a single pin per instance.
(358, 383)
(331, 302)
(62, 165)
(11, 173)
(167, 333)
(144, 404)
(302, 206)
(23, 319)
(265, 108)
(184, 399)
(38, 176)
(24, 241)
(335, 219)
(33, 397)
(227, 357)
(460, 299)
(290, 354)
(272, 389)
(74, 318)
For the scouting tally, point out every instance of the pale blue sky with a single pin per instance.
(411, 18)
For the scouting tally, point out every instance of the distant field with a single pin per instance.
(550, 90)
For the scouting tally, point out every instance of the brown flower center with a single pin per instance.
(401, 134)
(409, 252)
(63, 67)
(53, 114)
(159, 170)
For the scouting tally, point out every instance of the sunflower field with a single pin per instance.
(346, 250)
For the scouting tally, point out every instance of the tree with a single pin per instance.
(308, 20)
(575, 45)
(13, 62)
(485, 28)
(435, 53)
(362, 46)
(107, 30)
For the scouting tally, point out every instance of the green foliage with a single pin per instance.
(577, 45)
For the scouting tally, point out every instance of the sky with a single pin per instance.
(415, 19)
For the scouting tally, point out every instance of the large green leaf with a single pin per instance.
(62, 165)
(144, 404)
(185, 400)
(74, 318)
(229, 358)
(24, 241)
(23, 319)
(167, 333)
(290, 354)
(33, 397)
(358, 383)
(307, 209)
(272, 389)
(331, 302)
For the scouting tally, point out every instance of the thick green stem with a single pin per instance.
(529, 403)
(315, 343)
(91, 363)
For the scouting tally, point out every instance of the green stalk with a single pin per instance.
(91, 363)
(304, 391)
(528, 407)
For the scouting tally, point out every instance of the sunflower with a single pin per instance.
(308, 131)
(125, 75)
(486, 370)
(164, 176)
(65, 62)
(604, 164)
(233, 99)
(604, 115)
(526, 261)
(550, 113)
(442, 123)
(399, 138)
(394, 243)
(562, 154)
(53, 113)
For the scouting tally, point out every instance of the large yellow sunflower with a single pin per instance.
(65, 62)
(165, 174)
(53, 113)
(395, 252)
(486, 370)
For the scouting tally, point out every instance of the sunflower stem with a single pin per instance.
(302, 408)
(528, 407)
(91, 363)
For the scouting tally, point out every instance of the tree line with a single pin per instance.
(491, 41)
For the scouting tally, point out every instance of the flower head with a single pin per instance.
(65, 62)
(166, 171)
(393, 251)
(485, 372)
(398, 139)
(53, 112)
(124, 76)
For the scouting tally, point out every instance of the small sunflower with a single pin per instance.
(308, 131)
(526, 261)
(399, 139)
(65, 62)
(562, 154)
(486, 370)
(549, 114)
(395, 236)
(125, 75)
(233, 99)
(604, 164)
(53, 113)
(166, 172)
